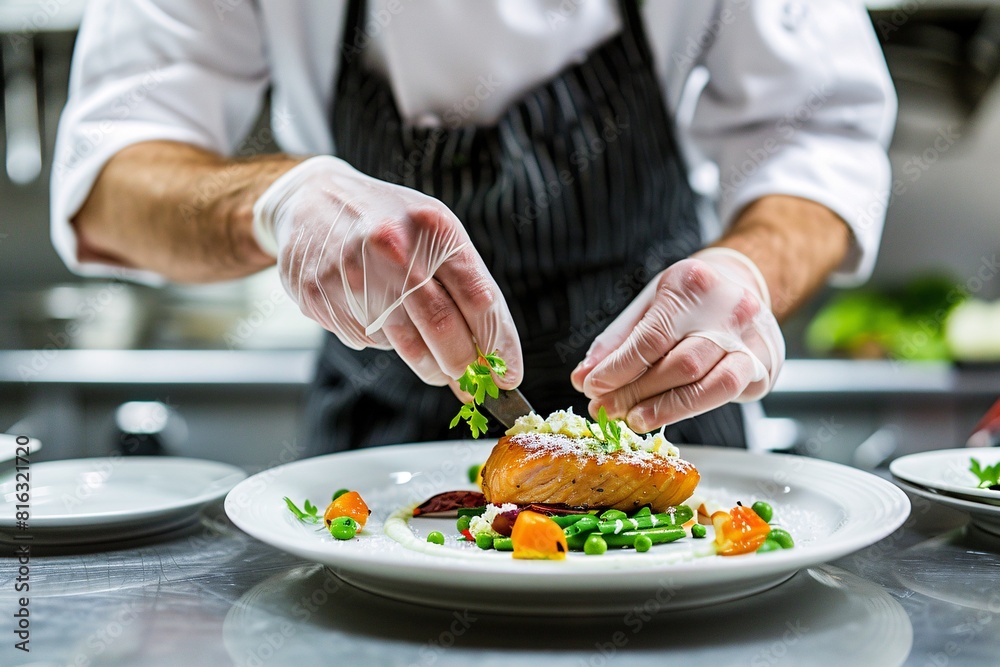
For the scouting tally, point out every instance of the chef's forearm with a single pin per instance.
(795, 242)
(177, 210)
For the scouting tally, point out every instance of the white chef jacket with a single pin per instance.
(797, 101)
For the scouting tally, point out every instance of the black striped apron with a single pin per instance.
(575, 199)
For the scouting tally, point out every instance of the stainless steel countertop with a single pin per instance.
(295, 368)
(210, 595)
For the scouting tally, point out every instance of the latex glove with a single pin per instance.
(385, 266)
(699, 335)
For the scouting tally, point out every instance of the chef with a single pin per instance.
(510, 176)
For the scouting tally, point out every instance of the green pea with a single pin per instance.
(484, 541)
(643, 543)
(339, 493)
(613, 515)
(435, 537)
(595, 545)
(763, 510)
(503, 544)
(769, 545)
(474, 472)
(698, 530)
(782, 537)
(645, 511)
(463, 523)
(344, 528)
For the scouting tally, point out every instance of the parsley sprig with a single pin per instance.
(989, 476)
(610, 429)
(478, 382)
(310, 515)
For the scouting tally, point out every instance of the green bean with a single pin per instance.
(576, 542)
(484, 541)
(338, 494)
(595, 545)
(678, 516)
(658, 535)
(612, 515)
(645, 511)
(782, 537)
(763, 510)
(463, 523)
(503, 544)
(643, 543)
(566, 520)
(698, 531)
(435, 537)
(585, 524)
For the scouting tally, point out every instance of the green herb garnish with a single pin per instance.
(478, 382)
(988, 476)
(310, 515)
(610, 429)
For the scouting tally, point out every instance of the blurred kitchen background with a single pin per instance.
(906, 364)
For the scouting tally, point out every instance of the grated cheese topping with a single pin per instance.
(579, 434)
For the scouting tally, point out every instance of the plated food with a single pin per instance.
(561, 484)
(957, 479)
(972, 474)
(831, 510)
(564, 483)
(988, 475)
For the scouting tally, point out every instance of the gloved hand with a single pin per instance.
(384, 266)
(699, 335)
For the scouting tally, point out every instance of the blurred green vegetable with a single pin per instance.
(904, 323)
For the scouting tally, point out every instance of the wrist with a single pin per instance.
(266, 210)
(231, 213)
(244, 246)
(734, 264)
(768, 352)
(795, 243)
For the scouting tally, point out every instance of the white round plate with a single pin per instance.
(983, 515)
(81, 501)
(947, 470)
(831, 510)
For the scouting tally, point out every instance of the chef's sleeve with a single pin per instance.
(799, 102)
(190, 71)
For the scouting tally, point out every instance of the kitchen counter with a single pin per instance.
(295, 367)
(211, 595)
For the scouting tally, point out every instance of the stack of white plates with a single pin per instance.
(102, 500)
(944, 476)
